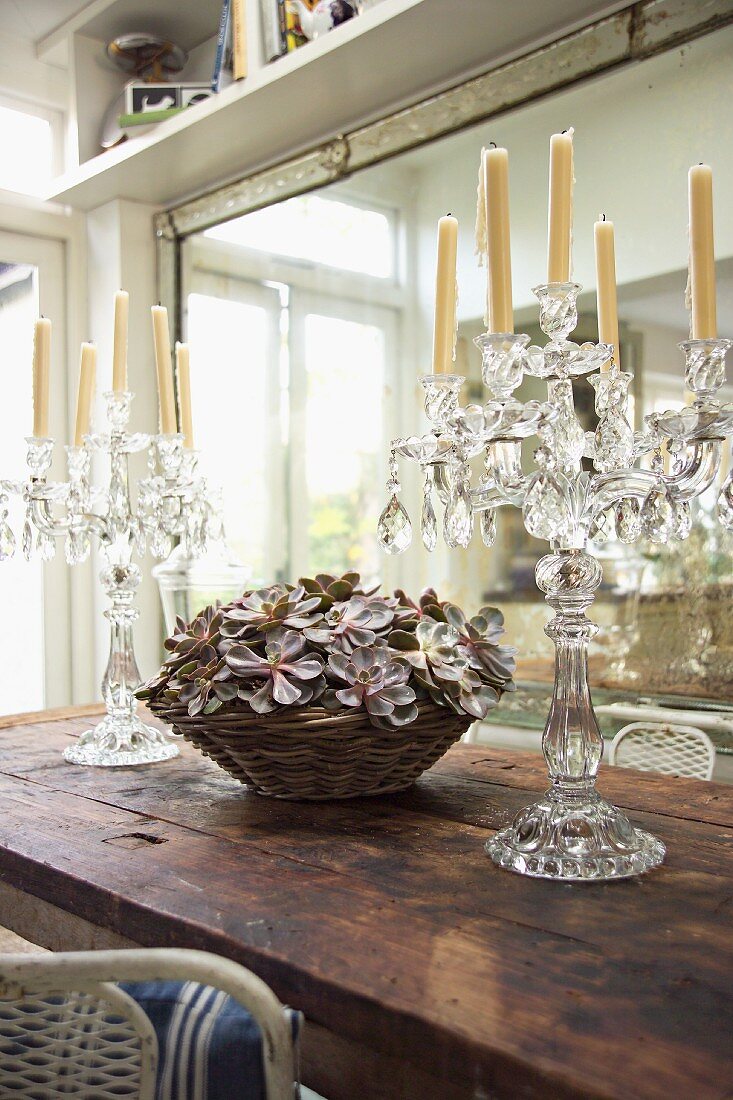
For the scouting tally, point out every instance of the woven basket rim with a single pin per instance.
(304, 719)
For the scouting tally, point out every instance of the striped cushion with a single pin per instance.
(209, 1047)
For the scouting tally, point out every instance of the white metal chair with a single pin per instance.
(92, 1039)
(664, 747)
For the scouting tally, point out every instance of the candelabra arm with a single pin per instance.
(492, 496)
(699, 472)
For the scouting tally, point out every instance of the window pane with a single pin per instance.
(345, 386)
(21, 582)
(322, 231)
(27, 141)
(228, 393)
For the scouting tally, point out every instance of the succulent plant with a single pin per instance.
(272, 608)
(334, 642)
(286, 674)
(355, 622)
(478, 642)
(331, 590)
(376, 680)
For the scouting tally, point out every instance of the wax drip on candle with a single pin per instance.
(481, 246)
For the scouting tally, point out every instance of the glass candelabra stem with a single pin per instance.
(572, 834)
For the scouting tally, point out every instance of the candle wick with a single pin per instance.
(492, 145)
(603, 217)
(564, 131)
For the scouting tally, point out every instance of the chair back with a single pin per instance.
(67, 1030)
(55, 1041)
(664, 747)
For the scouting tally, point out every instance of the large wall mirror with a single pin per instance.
(310, 323)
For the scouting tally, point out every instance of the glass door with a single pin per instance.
(236, 394)
(342, 356)
(35, 598)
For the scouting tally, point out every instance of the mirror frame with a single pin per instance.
(627, 37)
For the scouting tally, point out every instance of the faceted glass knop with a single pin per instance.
(545, 509)
(503, 361)
(658, 516)
(118, 409)
(628, 520)
(39, 455)
(725, 504)
(705, 365)
(458, 517)
(441, 396)
(394, 529)
(558, 308)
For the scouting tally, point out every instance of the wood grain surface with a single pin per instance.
(424, 971)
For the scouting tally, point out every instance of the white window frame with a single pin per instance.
(54, 117)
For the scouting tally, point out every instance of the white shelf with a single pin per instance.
(193, 23)
(392, 55)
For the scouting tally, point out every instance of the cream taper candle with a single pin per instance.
(183, 377)
(606, 287)
(560, 210)
(444, 330)
(41, 376)
(164, 367)
(499, 277)
(119, 352)
(704, 324)
(87, 372)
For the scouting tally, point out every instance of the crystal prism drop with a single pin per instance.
(161, 544)
(77, 547)
(458, 518)
(600, 529)
(46, 546)
(428, 522)
(628, 520)
(682, 519)
(658, 516)
(488, 527)
(139, 538)
(725, 505)
(614, 443)
(7, 542)
(27, 540)
(394, 529)
(545, 511)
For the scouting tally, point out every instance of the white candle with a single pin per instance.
(119, 354)
(560, 212)
(183, 377)
(41, 376)
(87, 372)
(606, 287)
(702, 255)
(496, 189)
(444, 331)
(164, 368)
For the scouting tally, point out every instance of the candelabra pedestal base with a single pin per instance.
(121, 740)
(575, 837)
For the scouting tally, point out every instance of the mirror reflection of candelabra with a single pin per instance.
(172, 503)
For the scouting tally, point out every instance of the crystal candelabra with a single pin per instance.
(172, 503)
(571, 833)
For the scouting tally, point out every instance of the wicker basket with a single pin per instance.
(315, 754)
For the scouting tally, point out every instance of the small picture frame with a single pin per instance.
(194, 93)
(142, 98)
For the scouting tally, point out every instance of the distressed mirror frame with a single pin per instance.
(632, 35)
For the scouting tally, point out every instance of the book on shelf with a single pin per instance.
(272, 19)
(239, 40)
(308, 19)
(222, 40)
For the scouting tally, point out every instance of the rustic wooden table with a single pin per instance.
(424, 971)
